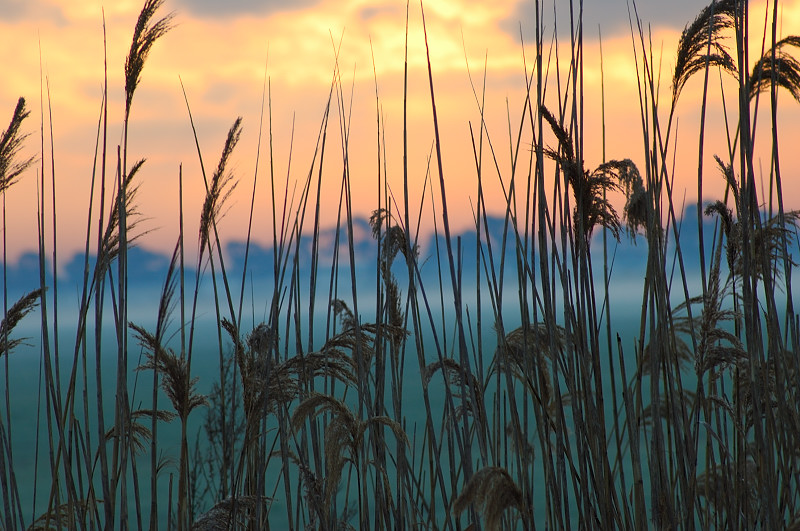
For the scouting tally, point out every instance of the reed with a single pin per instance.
(520, 405)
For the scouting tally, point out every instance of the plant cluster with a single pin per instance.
(541, 416)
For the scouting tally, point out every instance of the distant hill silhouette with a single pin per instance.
(147, 269)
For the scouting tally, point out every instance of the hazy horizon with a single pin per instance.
(222, 62)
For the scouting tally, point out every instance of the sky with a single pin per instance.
(221, 53)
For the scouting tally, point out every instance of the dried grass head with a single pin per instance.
(136, 431)
(232, 513)
(724, 213)
(174, 370)
(590, 189)
(567, 154)
(15, 314)
(701, 44)
(344, 434)
(145, 35)
(524, 353)
(221, 187)
(716, 485)
(265, 382)
(357, 338)
(391, 236)
(637, 211)
(756, 388)
(109, 249)
(62, 515)
(343, 312)
(262, 339)
(329, 362)
(770, 244)
(783, 69)
(457, 377)
(492, 491)
(767, 244)
(10, 145)
(717, 348)
(729, 224)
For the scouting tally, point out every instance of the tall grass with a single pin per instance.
(534, 413)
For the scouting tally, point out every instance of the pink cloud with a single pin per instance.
(222, 64)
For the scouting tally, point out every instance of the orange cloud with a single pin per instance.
(222, 63)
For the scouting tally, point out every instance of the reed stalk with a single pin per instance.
(531, 404)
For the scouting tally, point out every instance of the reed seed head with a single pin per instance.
(701, 45)
(221, 188)
(15, 314)
(492, 491)
(10, 145)
(782, 69)
(145, 35)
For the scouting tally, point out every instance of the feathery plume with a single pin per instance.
(15, 314)
(766, 243)
(701, 45)
(456, 375)
(145, 35)
(139, 433)
(530, 345)
(344, 434)
(109, 249)
(492, 491)
(55, 518)
(222, 185)
(10, 145)
(592, 208)
(784, 68)
(176, 383)
(637, 209)
(230, 513)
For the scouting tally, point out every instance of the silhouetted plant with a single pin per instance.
(777, 66)
(700, 45)
(10, 145)
(15, 314)
(458, 379)
(526, 354)
(590, 188)
(344, 435)
(145, 35)
(767, 242)
(179, 387)
(492, 492)
(230, 513)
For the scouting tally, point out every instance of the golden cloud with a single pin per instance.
(222, 63)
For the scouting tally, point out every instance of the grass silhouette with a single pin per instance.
(534, 412)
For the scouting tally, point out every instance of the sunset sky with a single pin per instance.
(222, 51)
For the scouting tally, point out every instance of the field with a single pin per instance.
(564, 364)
